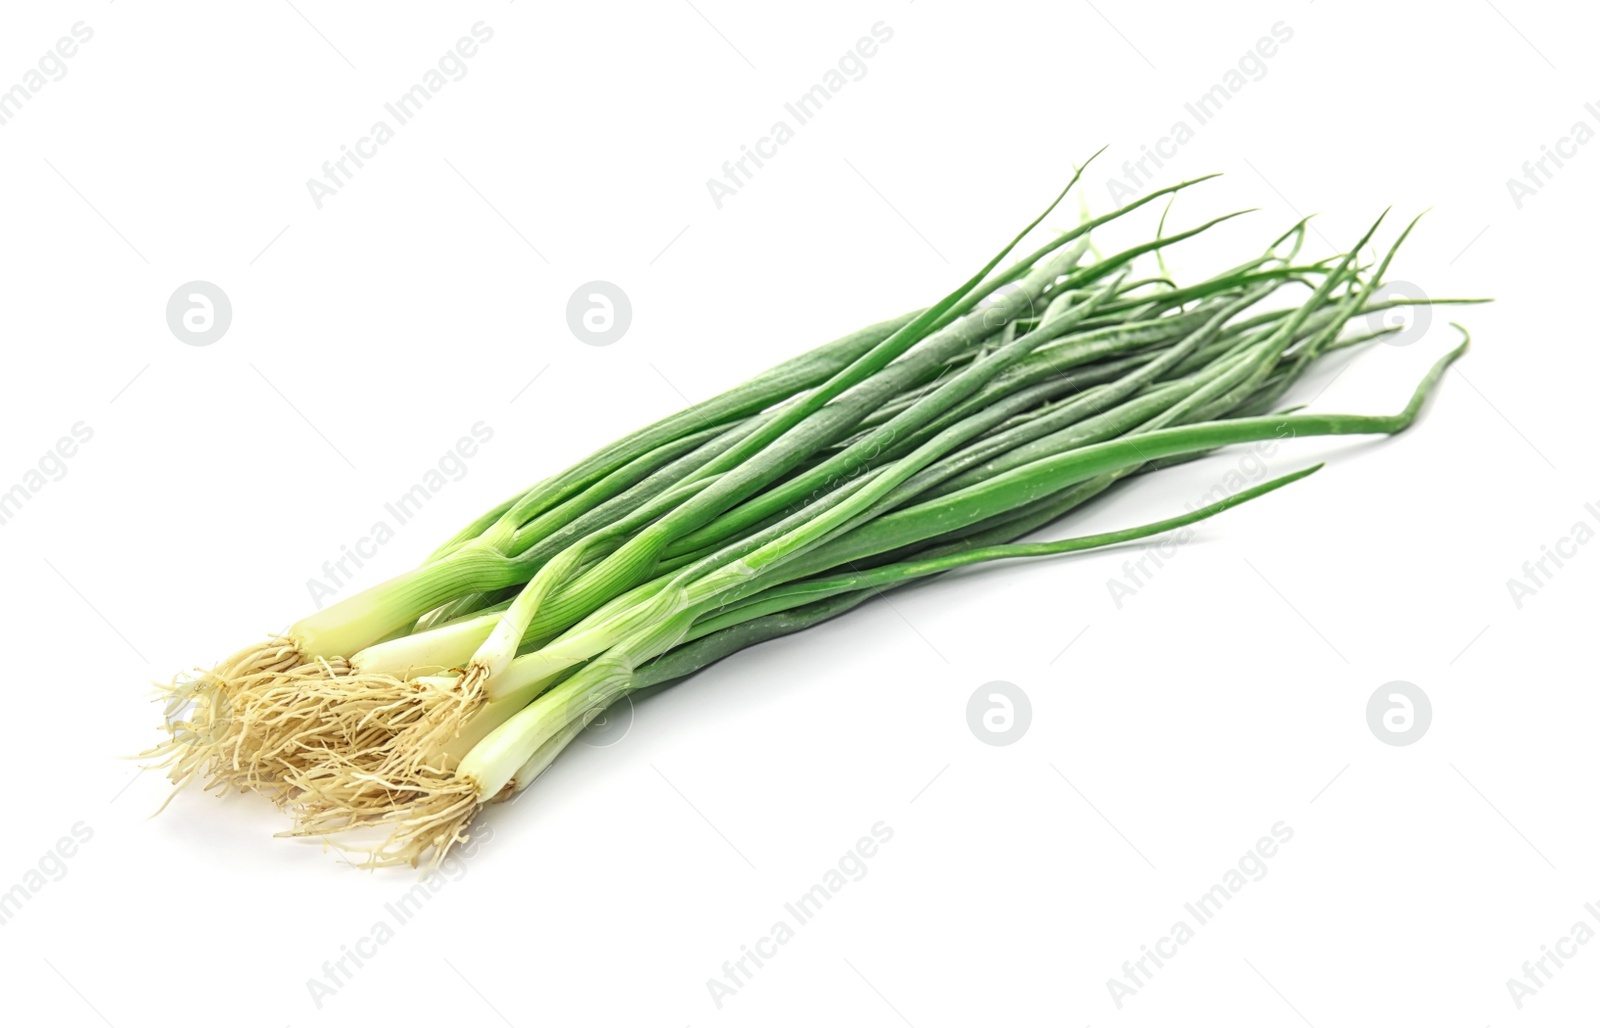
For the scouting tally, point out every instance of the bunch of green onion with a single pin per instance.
(925, 443)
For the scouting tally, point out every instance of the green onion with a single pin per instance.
(931, 442)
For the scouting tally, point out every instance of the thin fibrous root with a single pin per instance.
(436, 713)
(425, 812)
(266, 717)
(334, 742)
(212, 735)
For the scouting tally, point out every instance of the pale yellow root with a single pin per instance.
(416, 811)
(267, 717)
(211, 738)
(426, 811)
(437, 713)
(378, 725)
(390, 772)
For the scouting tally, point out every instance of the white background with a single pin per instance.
(1228, 695)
